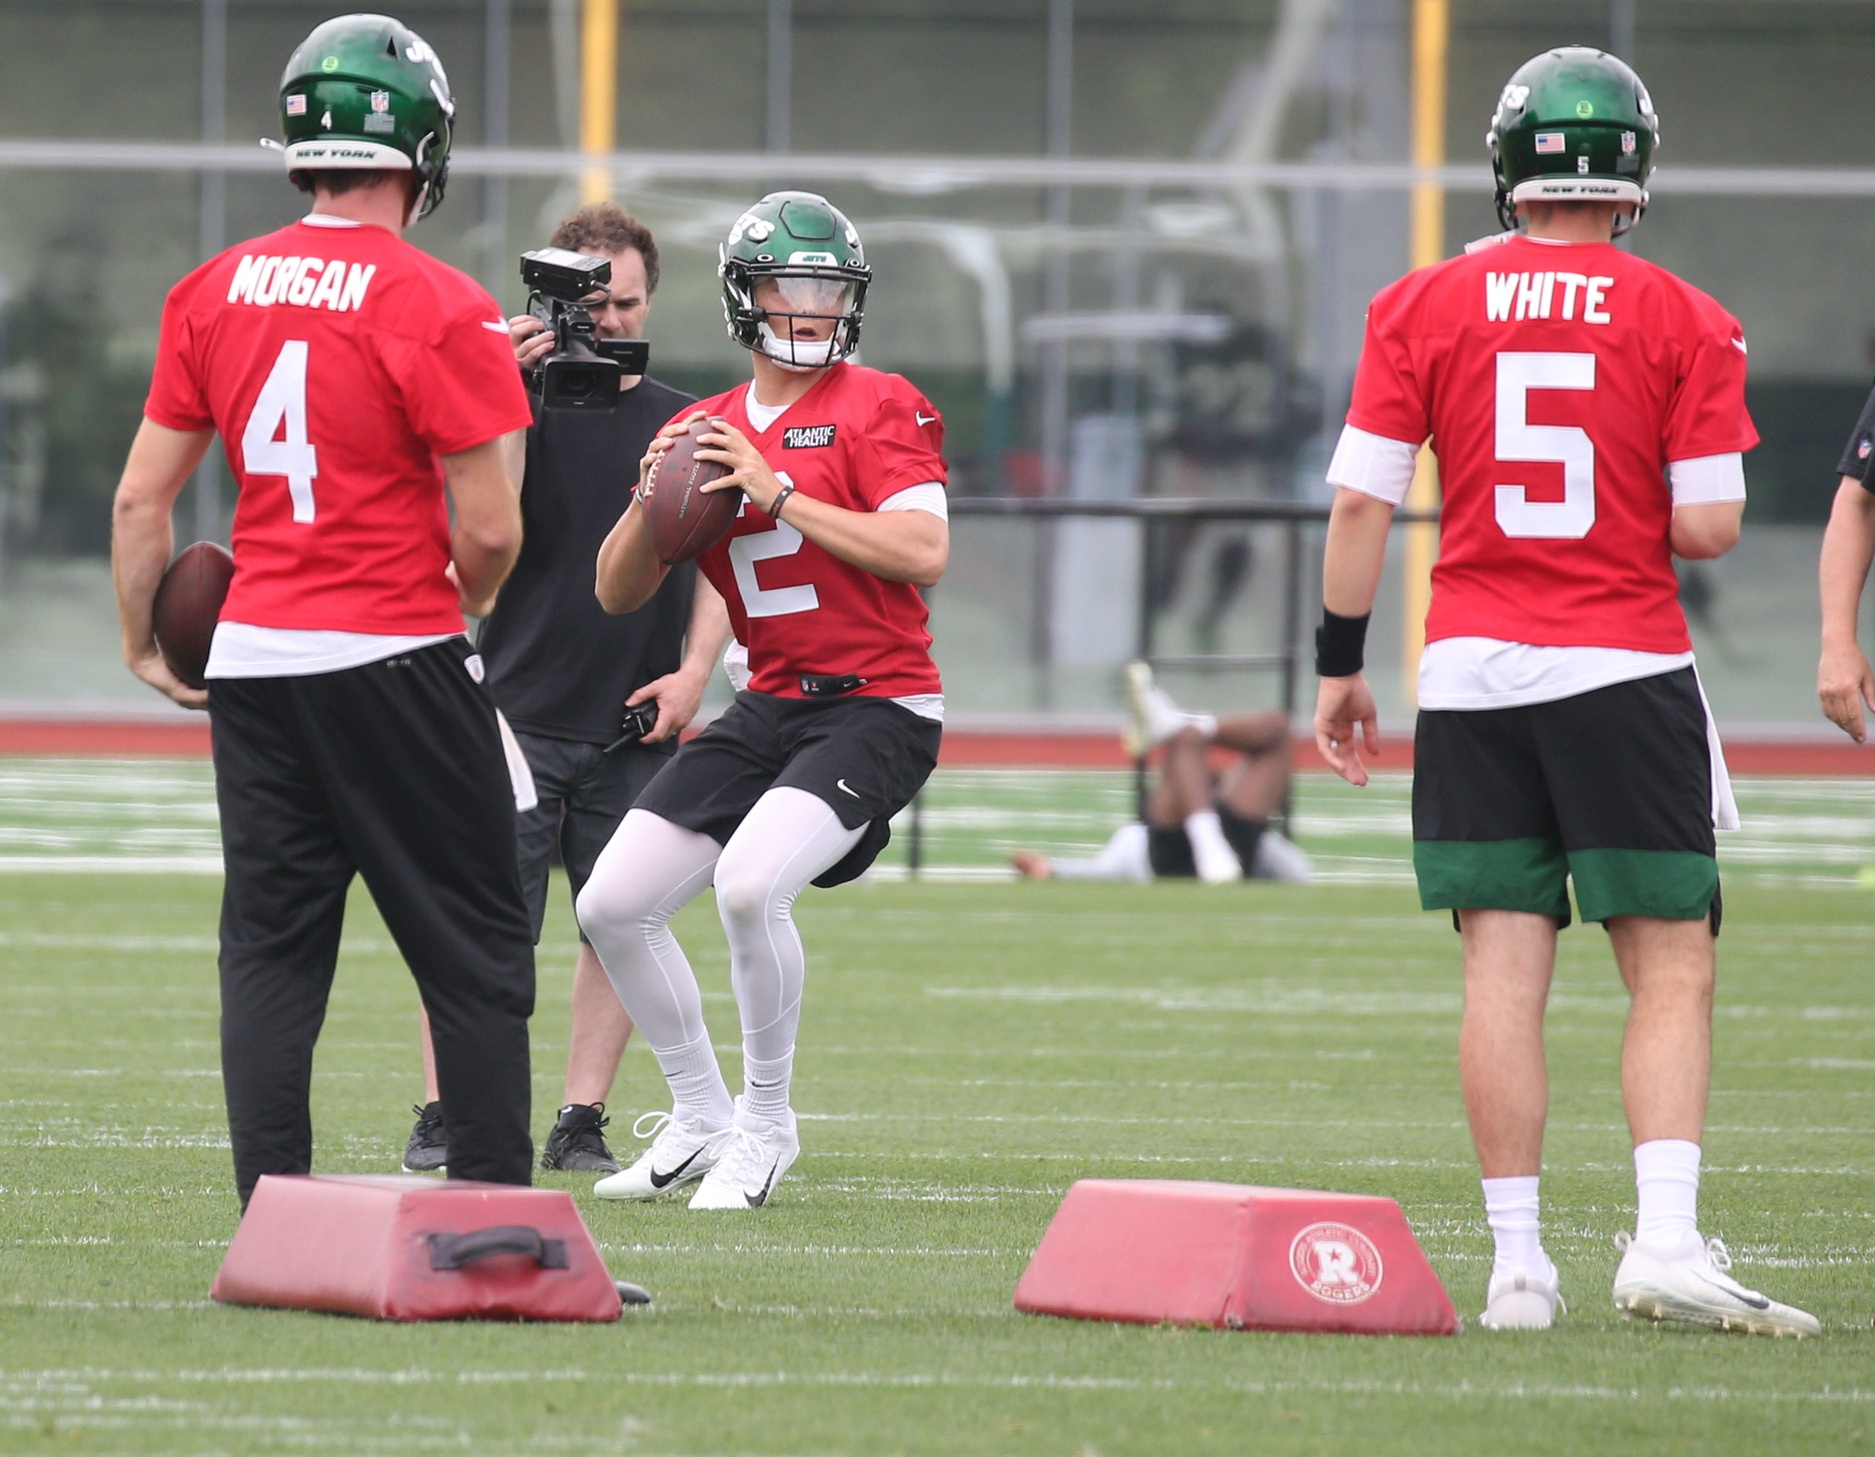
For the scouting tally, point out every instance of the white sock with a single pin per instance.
(765, 1089)
(1511, 1207)
(1666, 1178)
(697, 1086)
(1215, 859)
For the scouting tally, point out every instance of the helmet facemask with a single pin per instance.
(775, 307)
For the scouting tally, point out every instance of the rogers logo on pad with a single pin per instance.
(1335, 1263)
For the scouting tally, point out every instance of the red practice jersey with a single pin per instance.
(337, 364)
(1557, 382)
(855, 439)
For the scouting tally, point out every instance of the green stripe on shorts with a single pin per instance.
(1675, 885)
(1496, 875)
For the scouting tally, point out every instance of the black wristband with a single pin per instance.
(1339, 645)
(774, 506)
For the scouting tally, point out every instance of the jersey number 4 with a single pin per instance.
(275, 443)
(1566, 445)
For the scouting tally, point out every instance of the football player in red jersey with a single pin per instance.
(1588, 412)
(360, 388)
(843, 521)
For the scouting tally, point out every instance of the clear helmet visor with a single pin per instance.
(828, 298)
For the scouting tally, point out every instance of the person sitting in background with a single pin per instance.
(1199, 823)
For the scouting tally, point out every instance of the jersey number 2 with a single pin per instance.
(1567, 445)
(275, 443)
(764, 546)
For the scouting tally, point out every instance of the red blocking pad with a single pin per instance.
(1237, 1257)
(401, 1247)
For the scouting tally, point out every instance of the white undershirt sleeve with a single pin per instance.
(926, 497)
(1707, 479)
(1373, 465)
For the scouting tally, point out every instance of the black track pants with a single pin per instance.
(393, 771)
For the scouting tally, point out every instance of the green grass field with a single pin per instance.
(971, 1046)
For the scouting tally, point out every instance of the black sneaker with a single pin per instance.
(576, 1144)
(428, 1151)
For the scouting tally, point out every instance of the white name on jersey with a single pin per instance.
(262, 279)
(1545, 296)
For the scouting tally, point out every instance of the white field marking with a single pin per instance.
(106, 1304)
(1284, 999)
(62, 940)
(1273, 999)
(1555, 1125)
(56, 1240)
(920, 1312)
(1843, 1064)
(1098, 1120)
(110, 864)
(1465, 1391)
(111, 1139)
(58, 940)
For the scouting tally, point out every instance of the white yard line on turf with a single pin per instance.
(1439, 1391)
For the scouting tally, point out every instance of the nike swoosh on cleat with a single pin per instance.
(661, 1181)
(762, 1198)
(840, 784)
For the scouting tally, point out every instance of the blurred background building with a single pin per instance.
(1125, 246)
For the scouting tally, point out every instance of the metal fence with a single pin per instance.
(1290, 656)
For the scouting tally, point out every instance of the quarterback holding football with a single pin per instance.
(1588, 411)
(843, 519)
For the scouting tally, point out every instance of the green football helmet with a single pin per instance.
(806, 245)
(367, 91)
(1574, 125)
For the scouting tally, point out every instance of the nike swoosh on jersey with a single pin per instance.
(497, 327)
(923, 419)
(1739, 345)
(840, 784)
(660, 1181)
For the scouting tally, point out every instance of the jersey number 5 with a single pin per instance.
(1567, 445)
(275, 443)
(764, 546)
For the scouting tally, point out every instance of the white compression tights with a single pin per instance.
(652, 869)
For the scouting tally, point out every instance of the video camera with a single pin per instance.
(582, 372)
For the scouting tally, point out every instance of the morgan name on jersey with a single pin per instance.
(265, 279)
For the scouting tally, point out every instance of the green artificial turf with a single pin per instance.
(969, 1049)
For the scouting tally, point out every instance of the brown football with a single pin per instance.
(685, 520)
(188, 604)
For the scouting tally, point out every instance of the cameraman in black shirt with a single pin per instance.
(564, 672)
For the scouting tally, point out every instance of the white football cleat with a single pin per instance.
(1523, 1300)
(1151, 715)
(1690, 1285)
(748, 1166)
(682, 1151)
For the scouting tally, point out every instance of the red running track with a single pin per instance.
(963, 747)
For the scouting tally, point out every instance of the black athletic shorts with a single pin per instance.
(1168, 851)
(584, 793)
(1611, 789)
(863, 757)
